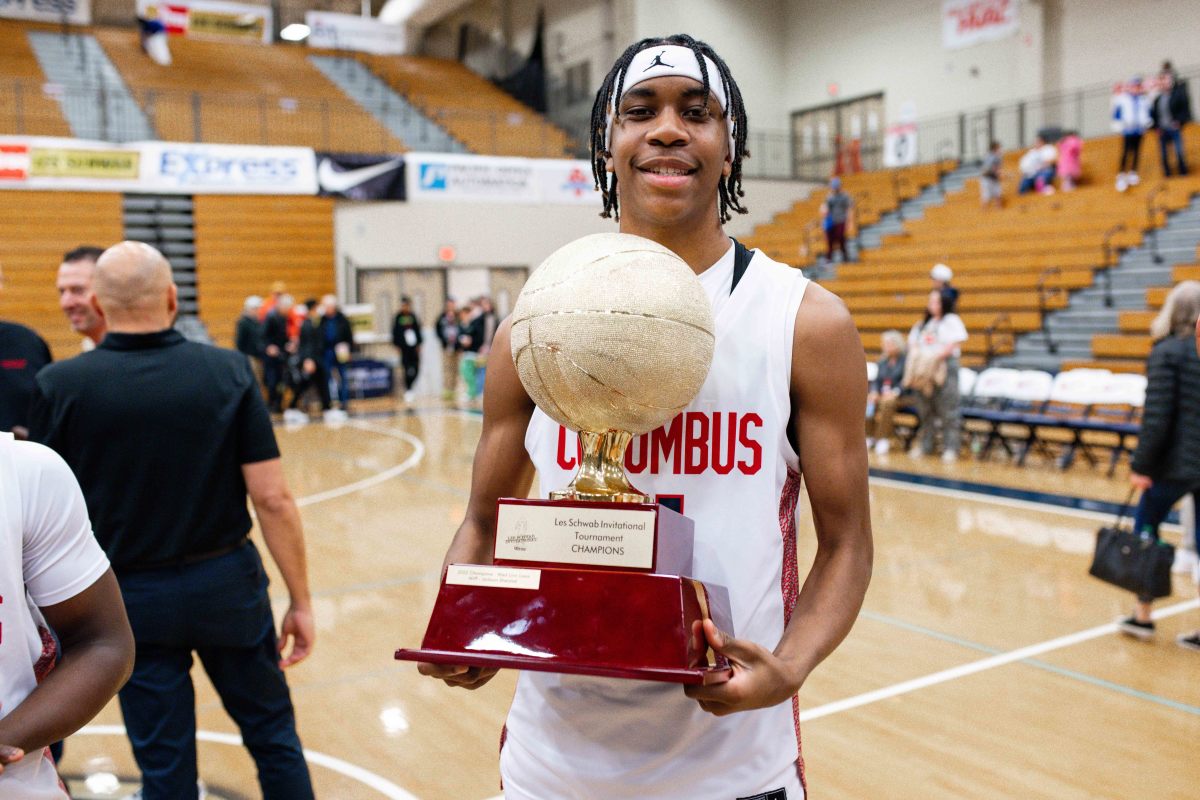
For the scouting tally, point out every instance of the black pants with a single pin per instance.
(410, 359)
(219, 610)
(273, 377)
(319, 380)
(1131, 148)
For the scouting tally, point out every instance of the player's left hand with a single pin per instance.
(760, 678)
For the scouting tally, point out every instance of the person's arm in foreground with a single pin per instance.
(828, 405)
(279, 519)
(97, 660)
(502, 469)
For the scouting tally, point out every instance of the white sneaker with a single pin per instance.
(1185, 561)
(294, 417)
(882, 447)
(949, 457)
(1133, 178)
(870, 442)
(1122, 184)
(916, 452)
(336, 416)
(408, 396)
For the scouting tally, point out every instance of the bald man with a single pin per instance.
(167, 437)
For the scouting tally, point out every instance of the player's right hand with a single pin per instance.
(9, 755)
(457, 674)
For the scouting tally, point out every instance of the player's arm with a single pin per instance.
(828, 406)
(97, 660)
(502, 469)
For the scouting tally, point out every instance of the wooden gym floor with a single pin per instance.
(984, 664)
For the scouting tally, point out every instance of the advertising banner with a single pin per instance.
(212, 19)
(969, 22)
(154, 167)
(332, 31)
(360, 177)
(457, 178)
(900, 145)
(75, 12)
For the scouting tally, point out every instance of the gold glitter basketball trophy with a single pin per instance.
(612, 337)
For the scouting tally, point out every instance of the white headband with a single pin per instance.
(669, 60)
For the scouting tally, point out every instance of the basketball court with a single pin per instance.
(983, 666)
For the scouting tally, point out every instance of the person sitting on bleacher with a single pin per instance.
(1166, 463)
(1038, 167)
(884, 395)
(931, 372)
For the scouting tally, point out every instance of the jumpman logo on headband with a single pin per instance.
(658, 62)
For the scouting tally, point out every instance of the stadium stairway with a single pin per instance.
(400, 117)
(871, 236)
(1088, 313)
(166, 222)
(78, 64)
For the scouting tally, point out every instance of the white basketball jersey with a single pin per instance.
(728, 462)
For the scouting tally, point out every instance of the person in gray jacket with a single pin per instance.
(1166, 464)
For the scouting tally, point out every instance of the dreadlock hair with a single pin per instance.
(730, 189)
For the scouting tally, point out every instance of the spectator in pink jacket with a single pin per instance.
(1070, 150)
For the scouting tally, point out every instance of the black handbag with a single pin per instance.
(1136, 563)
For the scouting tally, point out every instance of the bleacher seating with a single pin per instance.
(473, 110)
(24, 103)
(245, 243)
(36, 228)
(251, 95)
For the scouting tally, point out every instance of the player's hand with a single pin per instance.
(1141, 482)
(300, 629)
(310, 366)
(760, 678)
(458, 675)
(9, 755)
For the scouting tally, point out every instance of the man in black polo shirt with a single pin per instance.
(22, 354)
(166, 437)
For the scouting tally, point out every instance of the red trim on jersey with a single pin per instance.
(789, 498)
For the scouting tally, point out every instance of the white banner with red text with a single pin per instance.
(970, 22)
(210, 19)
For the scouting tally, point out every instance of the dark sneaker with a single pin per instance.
(1189, 641)
(1138, 630)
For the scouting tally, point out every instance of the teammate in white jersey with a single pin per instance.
(52, 572)
(785, 396)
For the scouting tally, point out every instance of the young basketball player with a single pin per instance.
(788, 374)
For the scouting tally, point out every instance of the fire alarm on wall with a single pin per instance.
(447, 253)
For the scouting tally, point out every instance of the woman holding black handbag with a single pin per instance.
(1166, 464)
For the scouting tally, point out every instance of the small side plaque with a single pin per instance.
(483, 575)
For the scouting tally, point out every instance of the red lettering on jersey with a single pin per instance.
(697, 443)
(752, 466)
(565, 461)
(667, 441)
(636, 454)
(730, 443)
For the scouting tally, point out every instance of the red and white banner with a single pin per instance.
(969, 22)
(213, 19)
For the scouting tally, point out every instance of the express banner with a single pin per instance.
(456, 178)
(74, 12)
(213, 19)
(360, 177)
(154, 167)
(970, 22)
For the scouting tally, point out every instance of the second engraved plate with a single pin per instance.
(503, 577)
(569, 534)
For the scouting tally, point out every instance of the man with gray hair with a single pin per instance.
(167, 437)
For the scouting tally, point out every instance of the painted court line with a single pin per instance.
(975, 667)
(352, 771)
(377, 478)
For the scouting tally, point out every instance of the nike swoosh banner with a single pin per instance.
(354, 176)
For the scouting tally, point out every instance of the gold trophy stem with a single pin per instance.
(601, 475)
